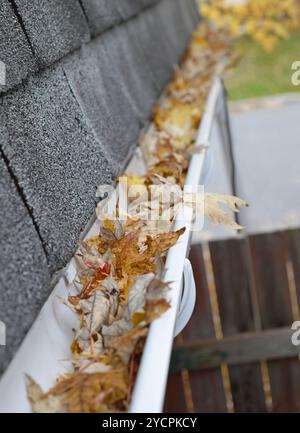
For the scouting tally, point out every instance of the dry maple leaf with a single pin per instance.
(217, 215)
(125, 344)
(169, 168)
(157, 289)
(117, 328)
(88, 290)
(163, 242)
(137, 296)
(90, 256)
(88, 393)
(111, 230)
(155, 309)
(178, 119)
(96, 312)
(89, 366)
(133, 180)
(128, 262)
(121, 271)
(40, 403)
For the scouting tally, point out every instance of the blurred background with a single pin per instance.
(236, 354)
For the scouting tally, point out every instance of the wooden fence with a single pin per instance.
(236, 354)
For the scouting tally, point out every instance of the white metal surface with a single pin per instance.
(188, 300)
(41, 354)
(149, 390)
(45, 349)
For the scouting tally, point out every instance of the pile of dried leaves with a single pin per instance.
(120, 289)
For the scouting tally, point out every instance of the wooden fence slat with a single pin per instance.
(207, 386)
(201, 324)
(175, 397)
(293, 239)
(234, 350)
(269, 254)
(247, 388)
(208, 391)
(230, 261)
(256, 279)
(232, 281)
(285, 384)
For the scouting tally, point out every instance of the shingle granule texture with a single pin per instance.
(56, 159)
(108, 108)
(24, 276)
(163, 32)
(101, 14)
(15, 50)
(129, 8)
(54, 27)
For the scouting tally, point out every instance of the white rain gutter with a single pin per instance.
(46, 348)
(150, 386)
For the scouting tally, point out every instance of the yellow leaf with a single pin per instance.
(216, 214)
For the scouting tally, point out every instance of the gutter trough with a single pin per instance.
(45, 351)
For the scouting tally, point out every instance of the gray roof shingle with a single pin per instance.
(15, 50)
(24, 276)
(56, 159)
(54, 27)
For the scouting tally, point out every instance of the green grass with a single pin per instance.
(260, 73)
